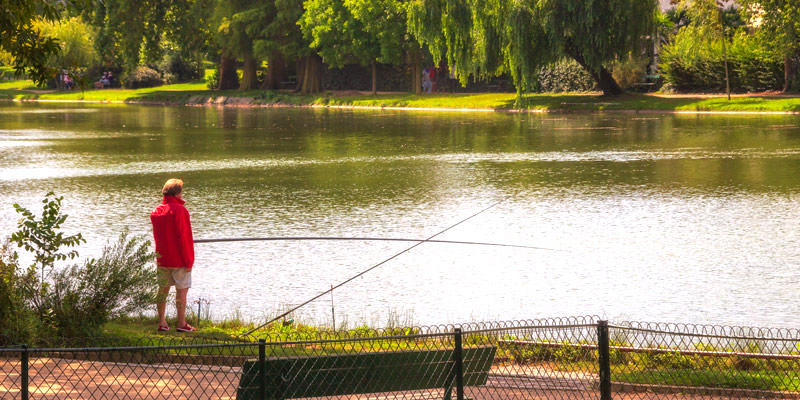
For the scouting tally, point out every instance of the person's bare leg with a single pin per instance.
(180, 304)
(162, 306)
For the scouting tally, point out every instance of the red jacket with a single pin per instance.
(172, 231)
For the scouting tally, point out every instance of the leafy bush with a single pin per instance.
(694, 63)
(176, 68)
(77, 300)
(566, 76)
(629, 71)
(18, 320)
(212, 81)
(142, 77)
(120, 282)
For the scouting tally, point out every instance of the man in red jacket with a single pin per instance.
(175, 252)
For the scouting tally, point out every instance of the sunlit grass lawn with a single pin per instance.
(759, 380)
(197, 91)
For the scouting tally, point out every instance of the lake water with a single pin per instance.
(673, 218)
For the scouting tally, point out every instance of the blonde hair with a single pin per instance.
(173, 187)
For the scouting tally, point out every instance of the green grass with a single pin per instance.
(141, 331)
(759, 380)
(196, 92)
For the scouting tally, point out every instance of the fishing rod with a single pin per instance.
(369, 269)
(298, 238)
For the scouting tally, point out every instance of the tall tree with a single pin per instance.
(285, 34)
(487, 37)
(130, 32)
(337, 35)
(28, 49)
(385, 21)
(366, 32)
(780, 20)
(235, 35)
(709, 17)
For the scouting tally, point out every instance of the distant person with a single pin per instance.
(172, 231)
(453, 80)
(432, 71)
(427, 85)
(109, 79)
(103, 79)
(68, 82)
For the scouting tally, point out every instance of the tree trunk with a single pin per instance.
(250, 73)
(227, 73)
(416, 71)
(607, 83)
(301, 72)
(603, 77)
(727, 77)
(788, 73)
(374, 77)
(312, 75)
(276, 72)
(724, 53)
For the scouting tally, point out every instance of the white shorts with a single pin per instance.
(181, 278)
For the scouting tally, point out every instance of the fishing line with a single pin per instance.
(367, 270)
(293, 238)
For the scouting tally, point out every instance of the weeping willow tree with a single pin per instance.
(489, 37)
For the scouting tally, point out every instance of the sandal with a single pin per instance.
(163, 328)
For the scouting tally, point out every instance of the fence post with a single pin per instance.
(262, 373)
(459, 365)
(603, 359)
(24, 373)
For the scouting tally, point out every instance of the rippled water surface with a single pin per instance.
(668, 218)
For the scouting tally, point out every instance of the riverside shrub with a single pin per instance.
(694, 63)
(122, 281)
(142, 77)
(566, 76)
(176, 68)
(18, 322)
(72, 301)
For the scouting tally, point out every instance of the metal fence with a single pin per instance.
(562, 358)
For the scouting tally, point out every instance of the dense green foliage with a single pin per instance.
(120, 282)
(17, 287)
(174, 67)
(563, 77)
(489, 37)
(779, 21)
(693, 63)
(142, 77)
(29, 50)
(274, 42)
(134, 31)
(76, 42)
(72, 301)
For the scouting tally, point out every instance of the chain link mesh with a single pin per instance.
(535, 359)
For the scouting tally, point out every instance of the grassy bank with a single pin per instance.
(196, 93)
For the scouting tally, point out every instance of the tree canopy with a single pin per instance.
(76, 43)
(488, 37)
(29, 49)
(780, 21)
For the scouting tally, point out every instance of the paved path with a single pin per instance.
(81, 379)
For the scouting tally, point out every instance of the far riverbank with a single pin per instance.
(195, 94)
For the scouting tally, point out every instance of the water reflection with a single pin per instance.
(678, 218)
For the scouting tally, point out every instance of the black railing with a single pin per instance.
(569, 358)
